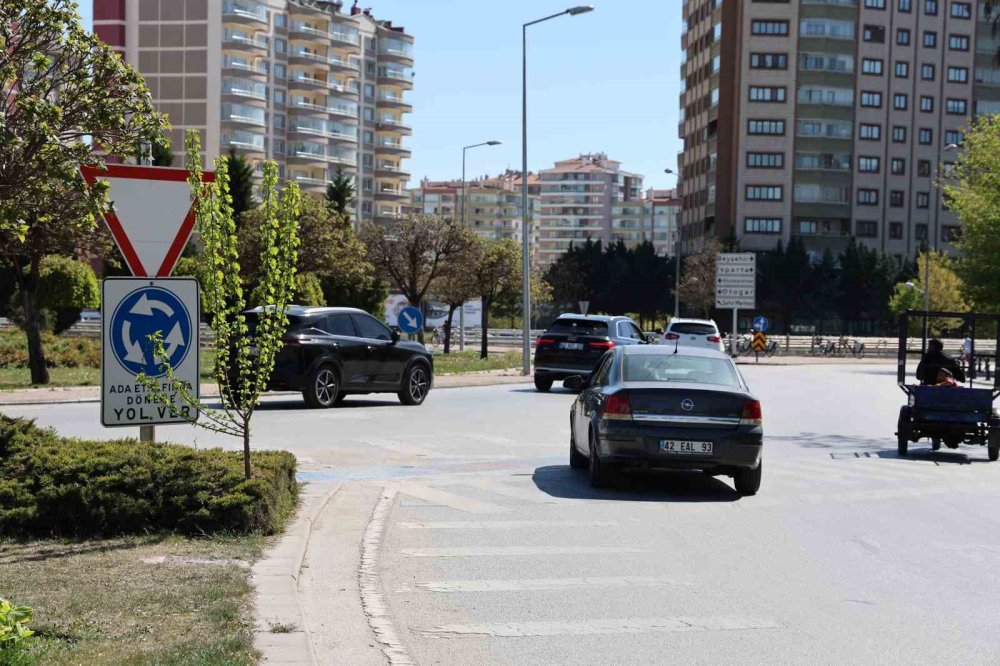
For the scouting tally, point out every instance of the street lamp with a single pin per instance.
(677, 264)
(525, 240)
(461, 311)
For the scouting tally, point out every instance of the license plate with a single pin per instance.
(571, 345)
(685, 446)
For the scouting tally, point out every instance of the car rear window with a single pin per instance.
(693, 329)
(251, 318)
(579, 327)
(678, 368)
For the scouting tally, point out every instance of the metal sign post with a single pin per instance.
(736, 285)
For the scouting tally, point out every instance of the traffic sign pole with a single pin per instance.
(732, 339)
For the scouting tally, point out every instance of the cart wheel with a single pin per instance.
(935, 443)
(903, 430)
(993, 445)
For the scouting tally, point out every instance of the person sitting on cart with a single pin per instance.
(935, 359)
(945, 379)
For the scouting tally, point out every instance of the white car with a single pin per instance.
(694, 333)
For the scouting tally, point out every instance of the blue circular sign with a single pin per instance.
(142, 313)
(410, 319)
(761, 323)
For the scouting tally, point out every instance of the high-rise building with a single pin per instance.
(661, 219)
(827, 120)
(306, 83)
(586, 197)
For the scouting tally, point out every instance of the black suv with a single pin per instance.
(575, 343)
(331, 353)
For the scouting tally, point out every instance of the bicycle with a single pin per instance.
(857, 348)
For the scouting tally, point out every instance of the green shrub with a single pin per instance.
(65, 287)
(50, 485)
(308, 290)
(60, 351)
(14, 632)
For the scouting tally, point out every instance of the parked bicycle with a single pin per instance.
(857, 348)
(824, 347)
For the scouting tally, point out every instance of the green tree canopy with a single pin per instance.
(340, 193)
(240, 184)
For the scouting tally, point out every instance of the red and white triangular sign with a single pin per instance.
(150, 216)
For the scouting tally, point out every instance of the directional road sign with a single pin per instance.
(761, 323)
(410, 320)
(150, 216)
(735, 280)
(132, 310)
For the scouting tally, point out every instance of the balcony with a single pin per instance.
(244, 140)
(309, 181)
(402, 55)
(244, 114)
(325, 131)
(343, 38)
(387, 193)
(243, 65)
(340, 110)
(388, 214)
(243, 12)
(394, 76)
(393, 125)
(303, 30)
(244, 88)
(388, 169)
(335, 62)
(238, 39)
(394, 101)
(391, 147)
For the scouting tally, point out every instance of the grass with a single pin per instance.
(98, 602)
(13, 378)
(469, 361)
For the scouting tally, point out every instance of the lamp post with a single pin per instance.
(461, 310)
(525, 233)
(677, 266)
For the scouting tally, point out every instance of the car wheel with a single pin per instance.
(935, 443)
(993, 445)
(747, 481)
(600, 475)
(322, 387)
(903, 430)
(543, 385)
(416, 385)
(576, 459)
(340, 398)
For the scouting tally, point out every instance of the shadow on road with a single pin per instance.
(638, 486)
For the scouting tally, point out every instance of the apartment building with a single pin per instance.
(586, 197)
(307, 83)
(828, 120)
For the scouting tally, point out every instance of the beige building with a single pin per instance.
(827, 120)
(306, 83)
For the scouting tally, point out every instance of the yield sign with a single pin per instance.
(150, 216)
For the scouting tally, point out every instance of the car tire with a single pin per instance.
(935, 443)
(543, 385)
(747, 480)
(576, 459)
(600, 475)
(903, 430)
(416, 385)
(322, 387)
(340, 397)
(993, 444)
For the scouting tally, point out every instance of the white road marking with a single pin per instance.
(502, 524)
(531, 494)
(487, 551)
(589, 627)
(535, 584)
(458, 502)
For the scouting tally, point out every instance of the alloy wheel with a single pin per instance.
(326, 387)
(418, 384)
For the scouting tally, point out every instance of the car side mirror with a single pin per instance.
(575, 383)
(394, 336)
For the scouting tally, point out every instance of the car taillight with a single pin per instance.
(618, 407)
(602, 344)
(751, 413)
(714, 338)
(544, 342)
(671, 336)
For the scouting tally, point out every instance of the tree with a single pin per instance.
(68, 100)
(66, 286)
(162, 155)
(340, 193)
(944, 293)
(498, 270)
(240, 185)
(697, 287)
(414, 252)
(456, 286)
(246, 344)
(974, 195)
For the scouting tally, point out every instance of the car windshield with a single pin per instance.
(579, 327)
(693, 329)
(678, 368)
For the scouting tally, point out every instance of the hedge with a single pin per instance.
(60, 351)
(55, 486)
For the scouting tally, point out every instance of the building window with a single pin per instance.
(958, 42)
(874, 34)
(767, 93)
(866, 229)
(762, 225)
(956, 107)
(905, 6)
(902, 69)
(869, 132)
(871, 66)
(871, 99)
(279, 121)
(279, 96)
(368, 138)
(765, 160)
(923, 199)
(930, 39)
(369, 91)
(952, 137)
(899, 101)
(924, 168)
(925, 136)
(897, 166)
(279, 71)
(895, 230)
(961, 10)
(867, 197)
(927, 72)
(926, 104)
(875, 4)
(903, 37)
(930, 7)
(898, 134)
(768, 61)
(868, 164)
(280, 20)
(958, 74)
(950, 233)
(920, 232)
(770, 127)
(896, 198)
(774, 28)
(764, 193)
(281, 46)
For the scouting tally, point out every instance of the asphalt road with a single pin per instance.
(494, 552)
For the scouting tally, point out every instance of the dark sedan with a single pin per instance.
(574, 343)
(657, 406)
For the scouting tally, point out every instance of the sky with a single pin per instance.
(605, 81)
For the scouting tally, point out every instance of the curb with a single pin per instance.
(276, 579)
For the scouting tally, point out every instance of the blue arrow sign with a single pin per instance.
(410, 320)
(761, 323)
(142, 313)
